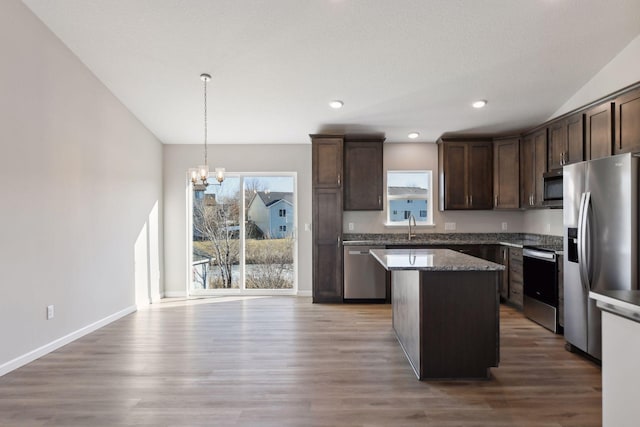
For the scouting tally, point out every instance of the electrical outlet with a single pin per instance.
(307, 227)
(505, 226)
(50, 312)
(548, 228)
(450, 226)
(350, 226)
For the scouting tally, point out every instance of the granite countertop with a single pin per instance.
(517, 240)
(625, 303)
(431, 260)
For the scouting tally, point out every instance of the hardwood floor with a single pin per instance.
(282, 361)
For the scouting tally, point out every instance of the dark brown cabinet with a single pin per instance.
(503, 258)
(566, 141)
(627, 120)
(465, 174)
(533, 164)
(515, 277)
(506, 173)
(363, 174)
(327, 217)
(327, 161)
(599, 131)
(327, 245)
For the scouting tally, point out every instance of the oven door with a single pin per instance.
(540, 276)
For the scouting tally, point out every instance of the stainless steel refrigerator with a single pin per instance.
(600, 213)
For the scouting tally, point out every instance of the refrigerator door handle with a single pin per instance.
(582, 243)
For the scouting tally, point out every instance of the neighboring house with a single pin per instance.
(272, 213)
(413, 201)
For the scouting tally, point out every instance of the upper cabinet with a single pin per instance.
(465, 173)
(599, 130)
(533, 164)
(627, 119)
(506, 173)
(566, 141)
(327, 161)
(363, 174)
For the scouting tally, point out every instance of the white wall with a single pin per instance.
(623, 70)
(414, 156)
(80, 180)
(235, 158)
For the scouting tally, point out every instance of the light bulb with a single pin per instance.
(220, 174)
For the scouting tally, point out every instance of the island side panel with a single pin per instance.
(405, 303)
(460, 323)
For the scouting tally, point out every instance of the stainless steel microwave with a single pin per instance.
(552, 195)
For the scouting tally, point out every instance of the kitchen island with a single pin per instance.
(446, 312)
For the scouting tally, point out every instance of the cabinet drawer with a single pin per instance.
(515, 293)
(515, 275)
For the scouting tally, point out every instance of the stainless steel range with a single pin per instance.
(540, 283)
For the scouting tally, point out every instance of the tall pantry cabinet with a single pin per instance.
(327, 183)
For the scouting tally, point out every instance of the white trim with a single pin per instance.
(175, 294)
(56, 344)
(304, 293)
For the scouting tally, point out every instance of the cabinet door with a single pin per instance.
(627, 134)
(557, 144)
(480, 175)
(526, 171)
(503, 252)
(453, 176)
(540, 165)
(575, 139)
(599, 131)
(327, 245)
(506, 173)
(363, 175)
(515, 277)
(327, 162)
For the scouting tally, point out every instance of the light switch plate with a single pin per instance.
(350, 226)
(50, 312)
(449, 226)
(505, 226)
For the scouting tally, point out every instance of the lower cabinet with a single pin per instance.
(515, 277)
(327, 245)
(503, 258)
(560, 291)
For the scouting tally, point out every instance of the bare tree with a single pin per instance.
(213, 221)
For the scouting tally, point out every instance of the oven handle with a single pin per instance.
(543, 255)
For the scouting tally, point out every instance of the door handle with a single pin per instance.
(582, 244)
(496, 205)
(339, 180)
(379, 201)
(338, 240)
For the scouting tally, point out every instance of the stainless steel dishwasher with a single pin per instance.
(364, 277)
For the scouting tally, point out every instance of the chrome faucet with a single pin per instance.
(411, 217)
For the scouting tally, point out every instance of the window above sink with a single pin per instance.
(409, 193)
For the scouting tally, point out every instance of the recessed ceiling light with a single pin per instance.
(336, 104)
(413, 135)
(479, 104)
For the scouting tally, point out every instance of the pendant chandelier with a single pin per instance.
(200, 175)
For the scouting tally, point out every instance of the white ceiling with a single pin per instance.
(399, 66)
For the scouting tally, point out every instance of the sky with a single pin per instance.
(418, 179)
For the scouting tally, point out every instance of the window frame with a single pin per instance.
(429, 221)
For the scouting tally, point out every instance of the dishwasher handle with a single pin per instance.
(356, 252)
(543, 255)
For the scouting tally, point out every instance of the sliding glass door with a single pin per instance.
(244, 235)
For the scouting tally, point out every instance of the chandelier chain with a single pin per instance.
(205, 122)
